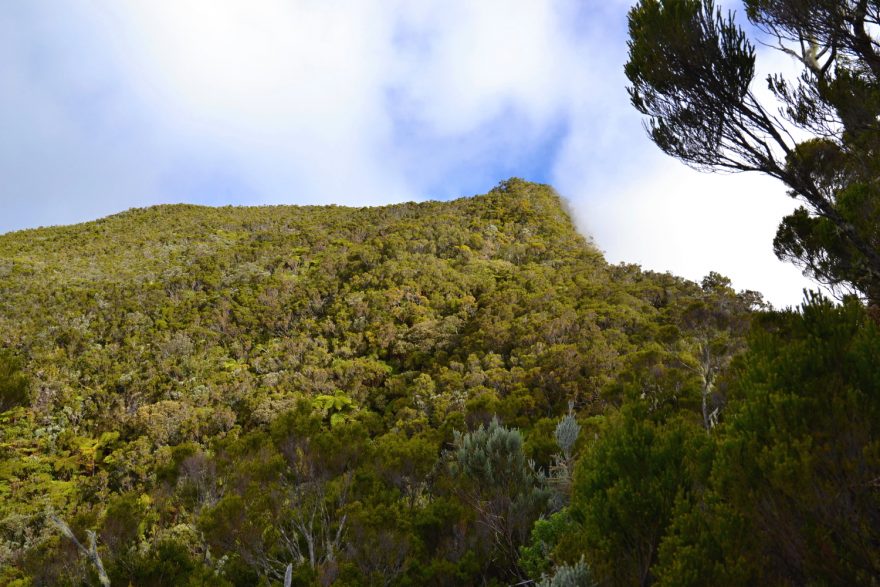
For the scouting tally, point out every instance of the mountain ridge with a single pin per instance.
(187, 331)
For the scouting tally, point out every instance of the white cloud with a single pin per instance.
(671, 218)
(327, 99)
(474, 60)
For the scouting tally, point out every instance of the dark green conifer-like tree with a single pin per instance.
(692, 71)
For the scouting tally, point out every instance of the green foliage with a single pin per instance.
(14, 389)
(171, 563)
(688, 67)
(626, 487)
(788, 473)
(221, 393)
(796, 467)
(224, 395)
(537, 557)
(492, 457)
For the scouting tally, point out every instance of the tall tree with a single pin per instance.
(713, 324)
(626, 487)
(692, 71)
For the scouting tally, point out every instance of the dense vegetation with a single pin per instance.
(788, 491)
(437, 393)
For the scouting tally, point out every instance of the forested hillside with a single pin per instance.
(438, 393)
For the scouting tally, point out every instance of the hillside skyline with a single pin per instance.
(117, 107)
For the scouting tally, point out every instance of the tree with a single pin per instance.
(626, 487)
(793, 497)
(714, 324)
(692, 71)
(566, 435)
(494, 478)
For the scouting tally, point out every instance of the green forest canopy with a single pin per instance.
(436, 393)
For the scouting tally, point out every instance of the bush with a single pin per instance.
(14, 389)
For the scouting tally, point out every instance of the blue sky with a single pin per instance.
(108, 105)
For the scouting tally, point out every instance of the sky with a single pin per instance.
(107, 105)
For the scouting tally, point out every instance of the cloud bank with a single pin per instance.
(109, 105)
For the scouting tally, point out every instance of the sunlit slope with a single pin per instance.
(181, 328)
(184, 323)
(248, 306)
